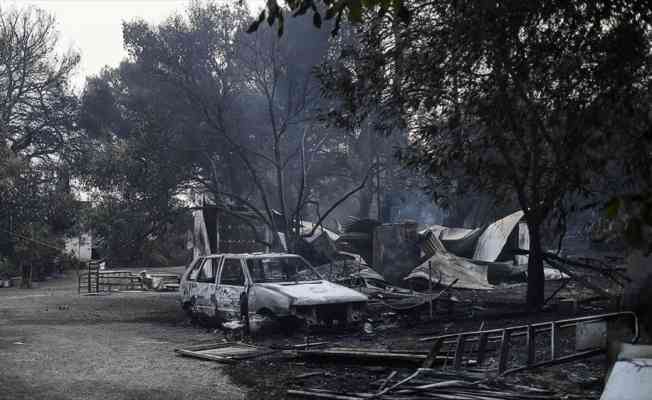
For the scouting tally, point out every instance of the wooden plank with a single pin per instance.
(363, 355)
(459, 352)
(554, 341)
(432, 355)
(363, 350)
(224, 352)
(205, 356)
(530, 342)
(387, 380)
(217, 345)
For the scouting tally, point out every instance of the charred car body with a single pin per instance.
(276, 285)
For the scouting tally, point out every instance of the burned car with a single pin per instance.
(279, 286)
(357, 275)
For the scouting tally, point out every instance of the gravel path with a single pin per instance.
(55, 344)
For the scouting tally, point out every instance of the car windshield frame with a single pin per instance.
(280, 274)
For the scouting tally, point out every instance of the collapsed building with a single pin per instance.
(478, 258)
(395, 253)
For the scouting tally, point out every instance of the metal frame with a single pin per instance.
(96, 281)
(457, 342)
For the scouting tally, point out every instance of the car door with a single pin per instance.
(189, 280)
(204, 293)
(231, 285)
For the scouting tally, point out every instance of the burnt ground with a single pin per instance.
(271, 376)
(55, 344)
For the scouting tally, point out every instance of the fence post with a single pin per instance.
(97, 279)
(530, 341)
(503, 352)
(430, 288)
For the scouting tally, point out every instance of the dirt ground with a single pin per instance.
(55, 344)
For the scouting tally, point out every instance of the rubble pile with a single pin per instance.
(438, 278)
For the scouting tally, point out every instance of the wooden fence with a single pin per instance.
(95, 280)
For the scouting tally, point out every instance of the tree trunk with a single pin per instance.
(26, 276)
(535, 277)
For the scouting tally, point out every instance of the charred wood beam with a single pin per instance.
(604, 269)
(583, 281)
(558, 262)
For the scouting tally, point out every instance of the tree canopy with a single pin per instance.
(38, 132)
(525, 101)
(201, 106)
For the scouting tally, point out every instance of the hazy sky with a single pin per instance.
(94, 27)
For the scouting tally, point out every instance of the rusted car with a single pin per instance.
(279, 286)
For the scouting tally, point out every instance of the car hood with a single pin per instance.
(315, 292)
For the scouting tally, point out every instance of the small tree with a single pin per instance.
(37, 128)
(37, 110)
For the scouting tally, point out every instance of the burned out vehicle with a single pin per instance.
(279, 286)
(362, 278)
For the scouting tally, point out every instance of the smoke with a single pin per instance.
(413, 205)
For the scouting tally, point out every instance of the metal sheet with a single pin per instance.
(307, 227)
(311, 293)
(493, 239)
(523, 242)
(591, 335)
(224, 352)
(447, 267)
(629, 380)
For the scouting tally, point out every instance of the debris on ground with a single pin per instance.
(479, 363)
(517, 348)
(427, 384)
(228, 352)
(160, 281)
(428, 291)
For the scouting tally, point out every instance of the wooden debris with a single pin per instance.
(371, 355)
(228, 352)
(453, 390)
(387, 380)
(300, 346)
(309, 375)
(318, 395)
(394, 386)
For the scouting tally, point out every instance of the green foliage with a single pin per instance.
(526, 101)
(8, 268)
(131, 232)
(352, 9)
(202, 106)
